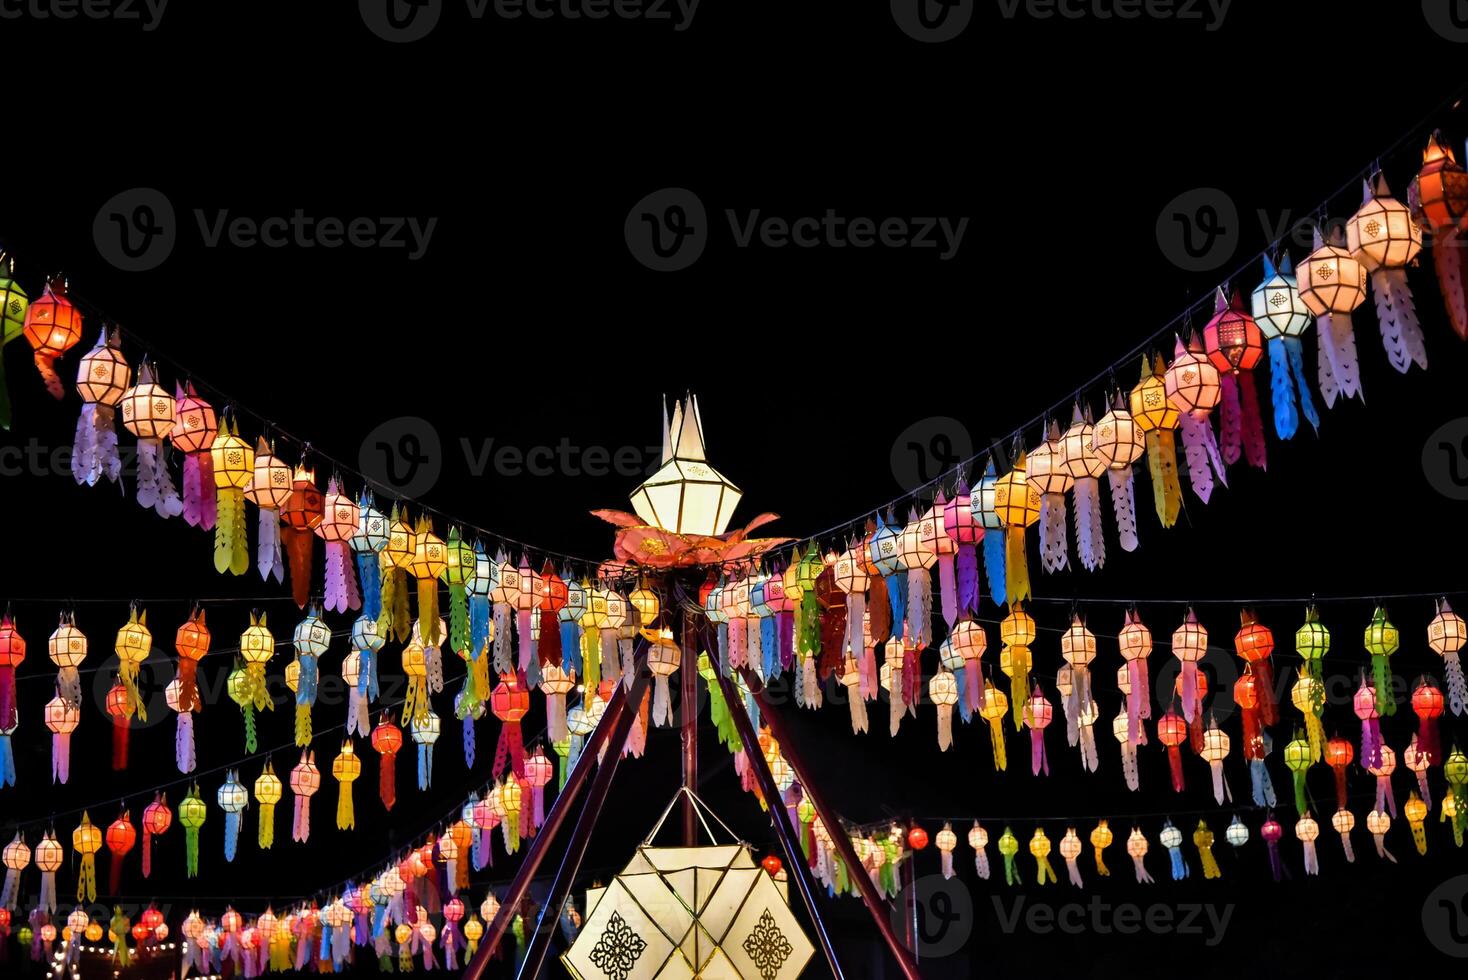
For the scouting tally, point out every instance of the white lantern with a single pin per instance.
(686, 495)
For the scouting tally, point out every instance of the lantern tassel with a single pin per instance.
(231, 834)
(1348, 849)
(1143, 878)
(1260, 783)
(1282, 388)
(86, 876)
(945, 727)
(1123, 507)
(1203, 841)
(896, 707)
(1129, 765)
(183, 742)
(298, 546)
(1179, 866)
(1255, 452)
(1457, 685)
(1167, 492)
(1090, 761)
(1038, 762)
(369, 571)
(120, 728)
(1385, 799)
(267, 825)
(387, 781)
(341, 583)
(231, 547)
(94, 450)
(503, 663)
(1016, 565)
(198, 490)
(1220, 787)
(301, 819)
(858, 711)
(1450, 259)
(191, 851)
(345, 818)
(1090, 536)
(1340, 375)
(267, 550)
(919, 607)
(995, 562)
(1201, 451)
(948, 587)
(60, 757)
(1175, 763)
(46, 364)
(155, 486)
(1054, 546)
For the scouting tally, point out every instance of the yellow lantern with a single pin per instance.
(346, 767)
(1016, 633)
(267, 794)
(134, 642)
(1416, 813)
(234, 471)
(993, 710)
(1158, 418)
(1017, 505)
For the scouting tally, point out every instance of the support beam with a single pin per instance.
(540, 843)
(880, 911)
(780, 817)
(596, 798)
(688, 711)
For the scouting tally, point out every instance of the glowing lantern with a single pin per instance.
(118, 711)
(1008, 847)
(1040, 851)
(346, 767)
(1136, 646)
(505, 596)
(340, 522)
(48, 857)
(311, 639)
(1332, 284)
(946, 841)
(192, 643)
(1427, 703)
(663, 658)
(1383, 772)
(1308, 831)
(101, 378)
(1438, 197)
(1455, 770)
(1382, 640)
(62, 717)
(368, 542)
(1070, 850)
(425, 732)
(1193, 387)
(1305, 694)
(1338, 755)
(993, 709)
(1078, 460)
(1118, 442)
(1157, 418)
(233, 464)
(1379, 824)
(1189, 644)
(1418, 762)
(510, 701)
(52, 326)
(1016, 633)
(686, 495)
(1101, 838)
(305, 781)
(1017, 506)
(1172, 839)
(1446, 635)
(1119, 729)
(943, 691)
(1136, 848)
(86, 841)
(1237, 834)
(1416, 813)
(1203, 841)
(387, 740)
(429, 562)
(1215, 750)
(15, 856)
(267, 794)
(1385, 239)
(1297, 760)
(1078, 648)
(303, 510)
(963, 649)
(1037, 715)
(13, 303)
(978, 839)
(269, 489)
(986, 518)
(1344, 822)
(120, 838)
(1053, 481)
(1282, 318)
(555, 684)
(247, 683)
(194, 428)
(1235, 344)
(147, 412)
(539, 771)
(1172, 731)
(1271, 832)
(917, 555)
(232, 798)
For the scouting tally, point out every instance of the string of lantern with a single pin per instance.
(1214, 367)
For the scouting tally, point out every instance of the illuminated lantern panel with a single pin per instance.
(686, 495)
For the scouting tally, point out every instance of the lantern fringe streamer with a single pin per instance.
(995, 563)
(198, 490)
(1450, 259)
(183, 742)
(1201, 450)
(1203, 841)
(1123, 507)
(920, 607)
(1339, 373)
(267, 551)
(1090, 535)
(298, 546)
(231, 546)
(1457, 685)
(1129, 765)
(1167, 493)
(341, 583)
(155, 486)
(94, 451)
(1054, 547)
(1401, 333)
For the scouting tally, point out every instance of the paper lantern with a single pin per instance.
(1382, 770)
(1438, 198)
(345, 768)
(148, 413)
(1017, 506)
(1037, 716)
(232, 462)
(978, 839)
(1383, 236)
(1172, 839)
(118, 709)
(1136, 848)
(1081, 463)
(232, 798)
(1193, 386)
(1427, 704)
(1297, 760)
(1047, 476)
(101, 379)
(1172, 731)
(1189, 646)
(61, 717)
(950, 532)
(303, 511)
(247, 683)
(1282, 318)
(191, 641)
(1254, 642)
(1378, 823)
(1304, 694)
(1078, 649)
(1040, 851)
(67, 648)
(1235, 344)
(1157, 418)
(1418, 762)
(194, 428)
(985, 516)
(368, 542)
(267, 794)
(311, 639)
(269, 489)
(305, 780)
(1382, 640)
(425, 732)
(1332, 284)
(1203, 841)
(686, 495)
(13, 304)
(1118, 442)
(120, 837)
(86, 841)
(943, 692)
(52, 327)
(1445, 636)
(16, 856)
(134, 642)
(1215, 750)
(387, 740)
(917, 555)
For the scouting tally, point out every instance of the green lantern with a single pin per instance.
(459, 569)
(1297, 760)
(1312, 643)
(13, 304)
(1009, 847)
(191, 815)
(1382, 641)
(1455, 769)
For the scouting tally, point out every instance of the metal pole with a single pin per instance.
(596, 798)
(878, 908)
(688, 706)
(780, 817)
(520, 886)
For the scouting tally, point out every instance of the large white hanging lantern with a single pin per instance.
(686, 495)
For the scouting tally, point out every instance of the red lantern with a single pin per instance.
(510, 700)
(917, 838)
(53, 326)
(12, 652)
(304, 509)
(552, 601)
(387, 739)
(772, 864)
(1255, 642)
(192, 642)
(1234, 346)
(157, 818)
(151, 919)
(1338, 754)
(1427, 703)
(1438, 197)
(1172, 730)
(119, 707)
(121, 836)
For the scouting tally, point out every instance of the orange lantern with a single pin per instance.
(121, 836)
(303, 510)
(1438, 197)
(52, 326)
(387, 740)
